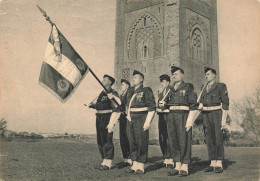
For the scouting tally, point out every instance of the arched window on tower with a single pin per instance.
(197, 45)
(145, 52)
(144, 21)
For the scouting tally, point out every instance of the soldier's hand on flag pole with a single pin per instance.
(110, 96)
(162, 103)
(200, 106)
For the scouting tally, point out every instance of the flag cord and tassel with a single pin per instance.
(90, 70)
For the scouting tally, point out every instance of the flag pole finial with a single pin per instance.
(45, 15)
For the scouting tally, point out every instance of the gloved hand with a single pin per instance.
(224, 119)
(191, 119)
(113, 120)
(110, 128)
(162, 103)
(200, 106)
(148, 120)
(146, 126)
(188, 127)
(110, 96)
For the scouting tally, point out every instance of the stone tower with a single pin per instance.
(152, 35)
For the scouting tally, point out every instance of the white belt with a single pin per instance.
(211, 108)
(184, 108)
(163, 111)
(139, 109)
(104, 111)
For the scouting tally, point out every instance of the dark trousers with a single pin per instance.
(213, 134)
(124, 143)
(138, 138)
(163, 136)
(104, 139)
(180, 140)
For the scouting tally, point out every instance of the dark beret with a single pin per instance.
(125, 81)
(206, 69)
(165, 77)
(137, 72)
(110, 78)
(175, 68)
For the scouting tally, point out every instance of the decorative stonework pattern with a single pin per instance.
(126, 73)
(146, 31)
(198, 39)
(144, 35)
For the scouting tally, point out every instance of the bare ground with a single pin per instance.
(74, 159)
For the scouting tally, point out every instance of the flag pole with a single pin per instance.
(90, 70)
(46, 16)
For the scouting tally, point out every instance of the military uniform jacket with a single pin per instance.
(161, 96)
(216, 96)
(184, 95)
(104, 103)
(123, 99)
(144, 98)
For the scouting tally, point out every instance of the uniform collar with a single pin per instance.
(213, 86)
(139, 89)
(124, 93)
(211, 82)
(180, 85)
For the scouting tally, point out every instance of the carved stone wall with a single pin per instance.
(144, 38)
(198, 39)
(171, 23)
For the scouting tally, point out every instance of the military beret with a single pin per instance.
(206, 69)
(165, 77)
(175, 68)
(125, 81)
(137, 72)
(110, 78)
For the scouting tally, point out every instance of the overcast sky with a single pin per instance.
(89, 25)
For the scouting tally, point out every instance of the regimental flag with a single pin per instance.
(62, 69)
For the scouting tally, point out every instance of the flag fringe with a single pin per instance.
(56, 95)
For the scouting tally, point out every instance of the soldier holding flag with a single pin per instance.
(214, 104)
(105, 121)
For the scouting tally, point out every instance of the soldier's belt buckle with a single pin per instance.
(211, 108)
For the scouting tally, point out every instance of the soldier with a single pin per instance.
(124, 143)
(141, 109)
(214, 104)
(180, 101)
(162, 122)
(105, 121)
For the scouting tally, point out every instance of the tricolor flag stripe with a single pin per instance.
(59, 85)
(65, 67)
(70, 53)
(62, 69)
